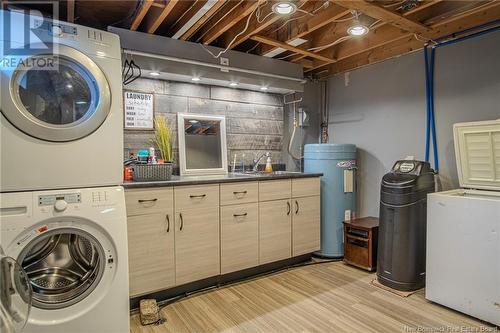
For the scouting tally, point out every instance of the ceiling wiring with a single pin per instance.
(254, 47)
(339, 40)
(235, 37)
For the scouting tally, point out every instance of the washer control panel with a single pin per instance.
(51, 200)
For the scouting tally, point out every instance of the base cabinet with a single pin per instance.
(239, 237)
(151, 253)
(182, 234)
(275, 231)
(306, 225)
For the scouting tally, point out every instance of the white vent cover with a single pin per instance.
(477, 150)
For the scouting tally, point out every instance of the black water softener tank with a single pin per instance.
(402, 225)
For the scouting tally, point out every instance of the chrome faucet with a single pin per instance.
(257, 161)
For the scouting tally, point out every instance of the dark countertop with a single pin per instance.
(229, 178)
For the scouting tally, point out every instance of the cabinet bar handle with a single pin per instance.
(167, 218)
(239, 192)
(240, 215)
(147, 200)
(289, 208)
(297, 205)
(182, 221)
(198, 196)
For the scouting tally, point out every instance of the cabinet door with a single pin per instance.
(275, 230)
(305, 225)
(239, 237)
(196, 244)
(151, 252)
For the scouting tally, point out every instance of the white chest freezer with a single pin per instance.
(463, 228)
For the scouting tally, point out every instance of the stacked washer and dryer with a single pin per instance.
(62, 211)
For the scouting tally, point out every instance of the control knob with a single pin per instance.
(60, 205)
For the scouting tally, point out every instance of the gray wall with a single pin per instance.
(381, 108)
(254, 120)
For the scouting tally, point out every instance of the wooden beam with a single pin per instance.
(255, 27)
(186, 16)
(309, 24)
(198, 24)
(277, 43)
(156, 22)
(470, 19)
(146, 4)
(385, 15)
(70, 15)
(379, 36)
(243, 9)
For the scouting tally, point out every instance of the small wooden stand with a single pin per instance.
(360, 242)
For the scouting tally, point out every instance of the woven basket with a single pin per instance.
(152, 172)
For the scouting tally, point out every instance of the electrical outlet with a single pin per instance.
(224, 61)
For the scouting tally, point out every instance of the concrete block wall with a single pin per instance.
(254, 120)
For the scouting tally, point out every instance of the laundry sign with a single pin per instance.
(139, 110)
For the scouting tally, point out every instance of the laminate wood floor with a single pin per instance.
(328, 297)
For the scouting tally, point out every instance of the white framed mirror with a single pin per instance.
(202, 144)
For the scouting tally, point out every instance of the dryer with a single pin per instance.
(61, 126)
(72, 246)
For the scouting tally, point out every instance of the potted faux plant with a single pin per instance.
(163, 140)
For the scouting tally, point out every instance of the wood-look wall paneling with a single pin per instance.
(255, 120)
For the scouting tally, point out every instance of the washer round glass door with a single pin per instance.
(63, 266)
(65, 101)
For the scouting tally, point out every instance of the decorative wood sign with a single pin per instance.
(139, 110)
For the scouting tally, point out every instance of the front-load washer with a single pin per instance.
(61, 123)
(72, 246)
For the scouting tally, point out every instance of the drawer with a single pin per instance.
(356, 251)
(239, 193)
(239, 237)
(274, 190)
(305, 187)
(148, 201)
(196, 197)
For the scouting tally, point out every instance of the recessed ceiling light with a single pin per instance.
(284, 8)
(263, 88)
(196, 79)
(357, 29)
(154, 73)
(233, 84)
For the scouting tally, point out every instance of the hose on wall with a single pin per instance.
(431, 121)
(429, 59)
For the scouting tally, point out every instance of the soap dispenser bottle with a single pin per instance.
(269, 166)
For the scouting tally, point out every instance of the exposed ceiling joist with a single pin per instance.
(243, 9)
(70, 15)
(188, 18)
(136, 22)
(202, 20)
(277, 43)
(385, 15)
(383, 33)
(309, 24)
(254, 27)
(408, 43)
(158, 20)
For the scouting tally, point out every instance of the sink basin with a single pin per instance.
(266, 174)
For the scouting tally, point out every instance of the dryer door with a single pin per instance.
(56, 97)
(15, 295)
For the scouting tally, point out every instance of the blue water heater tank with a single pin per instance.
(337, 162)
